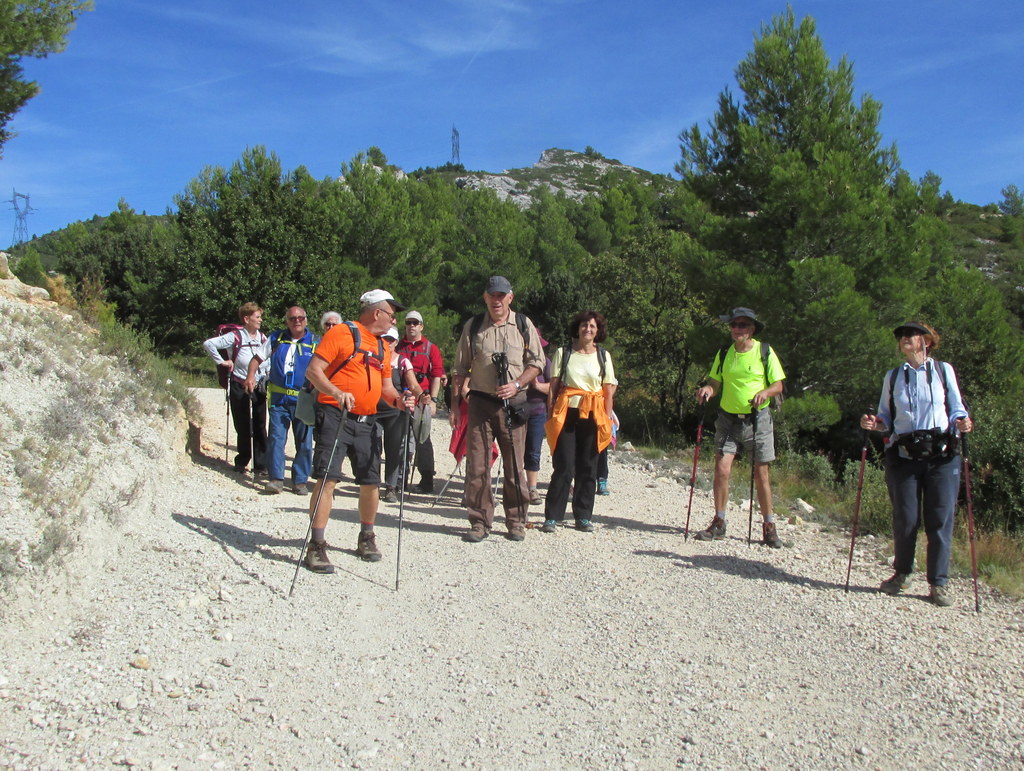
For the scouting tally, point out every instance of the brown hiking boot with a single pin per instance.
(316, 557)
(516, 533)
(476, 533)
(714, 532)
(770, 535)
(366, 547)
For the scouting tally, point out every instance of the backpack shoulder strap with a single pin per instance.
(474, 328)
(945, 385)
(765, 351)
(602, 355)
(524, 328)
(722, 353)
(892, 396)
(566, 352)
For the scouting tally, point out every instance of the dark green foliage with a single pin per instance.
(30, 269)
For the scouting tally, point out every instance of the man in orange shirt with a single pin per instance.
(352, 368)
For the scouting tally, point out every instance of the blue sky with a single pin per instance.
(148, 93)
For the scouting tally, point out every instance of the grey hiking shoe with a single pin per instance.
(715, 531)
(770, 535)
(366, 547)
(302, 488)
(390, 495)
(316, 557)
(549, 526)
(275, 486)
(940, 596)
(896, 584)
(535, 499)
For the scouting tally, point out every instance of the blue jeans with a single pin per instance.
(282, 416)
(923, 490)
(534, 441)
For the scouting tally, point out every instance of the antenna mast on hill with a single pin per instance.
(20, 218)
(455, 147)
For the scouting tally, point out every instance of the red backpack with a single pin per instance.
(224, 373)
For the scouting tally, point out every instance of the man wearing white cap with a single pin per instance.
(429, 367)
(351, 368)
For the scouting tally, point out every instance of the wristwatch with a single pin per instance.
(518, 387)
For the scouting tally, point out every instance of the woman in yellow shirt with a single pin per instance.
(580, 403)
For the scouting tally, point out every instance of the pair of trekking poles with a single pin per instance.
(320, 492)
(965, 459)
(693, 473)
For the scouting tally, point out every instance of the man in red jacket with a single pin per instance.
(429, 369)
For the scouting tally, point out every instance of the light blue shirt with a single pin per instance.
(920, 399)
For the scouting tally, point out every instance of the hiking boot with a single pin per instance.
(584, 526)
(535, 497)
(316, 557)
(516, 533)
(426, 486)
(476, 533)
(389, 495)
(896, 584)
(714, 532)
(302, 488)
(275, 486)
(602, 487)
(366, 547)
(770, 535)
(549, 526)
(940, 596)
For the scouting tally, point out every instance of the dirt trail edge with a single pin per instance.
(622, 648)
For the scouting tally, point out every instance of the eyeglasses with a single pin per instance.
(391, 314)
(296, 318)
(412, 323)
(740, 324)
(329, 324)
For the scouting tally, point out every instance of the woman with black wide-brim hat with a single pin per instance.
(922, 413)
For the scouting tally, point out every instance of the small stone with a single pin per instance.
(128, 703)
(208, 683)
(863, 751)
(804, 506)
(141, 662)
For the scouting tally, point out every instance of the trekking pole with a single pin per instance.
(319, 495)
(693, 474)
(227, 420)
(753, 465)
(401, 502)
(970, 519)
(501, 363)
(856, 505)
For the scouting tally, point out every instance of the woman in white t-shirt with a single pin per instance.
(579, 427)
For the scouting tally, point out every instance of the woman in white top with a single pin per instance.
(580, 402)
(247, 391)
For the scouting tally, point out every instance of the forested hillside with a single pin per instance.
(788, 200)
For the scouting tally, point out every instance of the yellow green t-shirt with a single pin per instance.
(742, 376)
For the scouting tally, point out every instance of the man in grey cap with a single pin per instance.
(748, 374)
(498, 355)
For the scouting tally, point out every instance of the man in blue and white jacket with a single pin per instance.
(290, 352)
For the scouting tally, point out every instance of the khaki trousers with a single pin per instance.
(485, 423)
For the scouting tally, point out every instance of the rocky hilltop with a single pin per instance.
(576, 175)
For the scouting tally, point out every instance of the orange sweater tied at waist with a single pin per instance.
(591, 406)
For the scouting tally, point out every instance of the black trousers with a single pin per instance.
(575, 462)
(249, 414)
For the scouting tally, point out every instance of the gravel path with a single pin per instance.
(624, 648)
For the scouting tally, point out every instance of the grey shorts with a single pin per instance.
(356, 441)
(733, 431)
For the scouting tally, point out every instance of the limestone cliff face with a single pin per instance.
(577, 175)
(83, 443)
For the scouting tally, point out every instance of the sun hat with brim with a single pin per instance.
(375, 296)
(913, 326)
(391, 334)
(742, 313)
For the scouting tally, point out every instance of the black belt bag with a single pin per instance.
(928, 444)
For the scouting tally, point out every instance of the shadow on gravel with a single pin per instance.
(748, 568)
(226, 470)
(635, 524)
